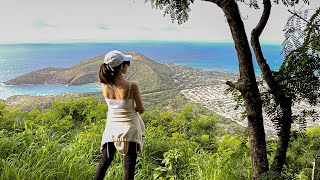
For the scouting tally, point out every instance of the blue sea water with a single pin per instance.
(18, 59)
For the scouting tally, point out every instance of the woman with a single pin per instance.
(124, 127)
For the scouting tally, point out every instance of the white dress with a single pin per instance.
(123, 124)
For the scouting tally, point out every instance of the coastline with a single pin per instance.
(180, 81)
(206, 88)
(277, 43)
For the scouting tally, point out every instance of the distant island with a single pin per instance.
(149, 74)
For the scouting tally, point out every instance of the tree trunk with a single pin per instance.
(284, 137)
(248, 87)
(280, 98)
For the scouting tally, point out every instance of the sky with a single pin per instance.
(32, 21)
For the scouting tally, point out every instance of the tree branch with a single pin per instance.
(237, 85)
(280, 98)
(263, 20)
(295, 14)
(232, 84)
(214, 1)
(255, 43)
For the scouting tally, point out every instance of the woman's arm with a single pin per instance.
(137, 99)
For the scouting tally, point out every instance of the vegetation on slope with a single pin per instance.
(150, 75)
(62, 142)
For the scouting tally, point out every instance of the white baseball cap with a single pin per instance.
(115, 58)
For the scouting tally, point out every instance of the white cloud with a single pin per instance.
(54, 20)
(103, 27)
(143, 28)
(40, 24)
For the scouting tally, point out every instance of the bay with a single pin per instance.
(18, 59)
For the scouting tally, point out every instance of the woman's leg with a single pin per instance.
(130, 161)
(108, 152)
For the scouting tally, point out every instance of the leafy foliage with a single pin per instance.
(302, 152)
(272, 109)
(299, 31)
(298, 76)
(254, 3)
(251, 3)
(290, 2)
(177, 9)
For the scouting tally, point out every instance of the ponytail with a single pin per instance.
(106, 74)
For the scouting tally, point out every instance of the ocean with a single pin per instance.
(18, 59)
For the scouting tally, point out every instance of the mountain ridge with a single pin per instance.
(150, 75)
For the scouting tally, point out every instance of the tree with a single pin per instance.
(246, 84)
(280, 98)
(297, 79)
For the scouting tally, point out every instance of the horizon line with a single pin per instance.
(130, 41)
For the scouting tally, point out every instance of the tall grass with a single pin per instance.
(63, 143)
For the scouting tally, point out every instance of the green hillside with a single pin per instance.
(150, 75)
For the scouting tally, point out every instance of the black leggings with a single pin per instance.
(129, 163)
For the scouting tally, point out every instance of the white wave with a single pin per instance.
(27, 84)
(5, 85)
